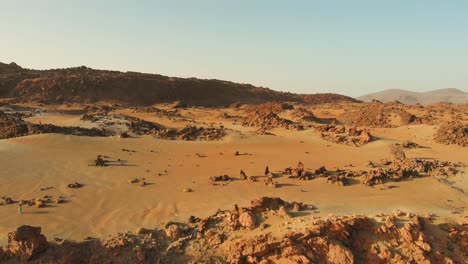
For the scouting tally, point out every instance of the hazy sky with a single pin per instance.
(349, 47)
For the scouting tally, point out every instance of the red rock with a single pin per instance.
(338, 254)
(247, 220)
(174, 231)
(26, 242)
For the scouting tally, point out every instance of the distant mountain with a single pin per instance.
(449, 95)
(86, 85)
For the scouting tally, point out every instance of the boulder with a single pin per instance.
(283, 212)
(174, 231)
(247, 220)
(365, 137)
(26, 242)
(339, 254)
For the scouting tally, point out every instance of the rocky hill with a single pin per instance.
(12, 74)
(449, 95)
(85, 85)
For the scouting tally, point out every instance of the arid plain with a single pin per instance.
(157, 181)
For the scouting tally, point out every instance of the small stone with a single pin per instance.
(174, 231)
(296, 207)
(283, 212)
(247, 220)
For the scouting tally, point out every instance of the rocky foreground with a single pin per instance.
(270, 230)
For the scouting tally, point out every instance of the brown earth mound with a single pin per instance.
(82, 85)
(225, 237)
(452, 133)
(377, 114)
(13, 126)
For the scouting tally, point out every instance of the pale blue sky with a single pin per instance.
(349, 47)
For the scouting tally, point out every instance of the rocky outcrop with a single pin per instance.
(400, 169)
(12, 126)
(378, 114)
(452, 133)
(191, 133)
(266, 117)
(226, 237)
(298, 173)
(85, 85)
(350, 240)
(12, 74)
(304, 115)
(342, 135)
(140, 127)
(26, 243)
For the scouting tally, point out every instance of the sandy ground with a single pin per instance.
(108, 203)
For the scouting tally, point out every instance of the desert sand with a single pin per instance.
(108, 203)
(113, 167)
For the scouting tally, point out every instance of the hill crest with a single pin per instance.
(86, 85)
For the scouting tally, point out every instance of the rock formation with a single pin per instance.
(378, 114)
(225, 237)
(11, 126)
(26, 242)
(342, 135)
(85, 85)
(452, 133)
